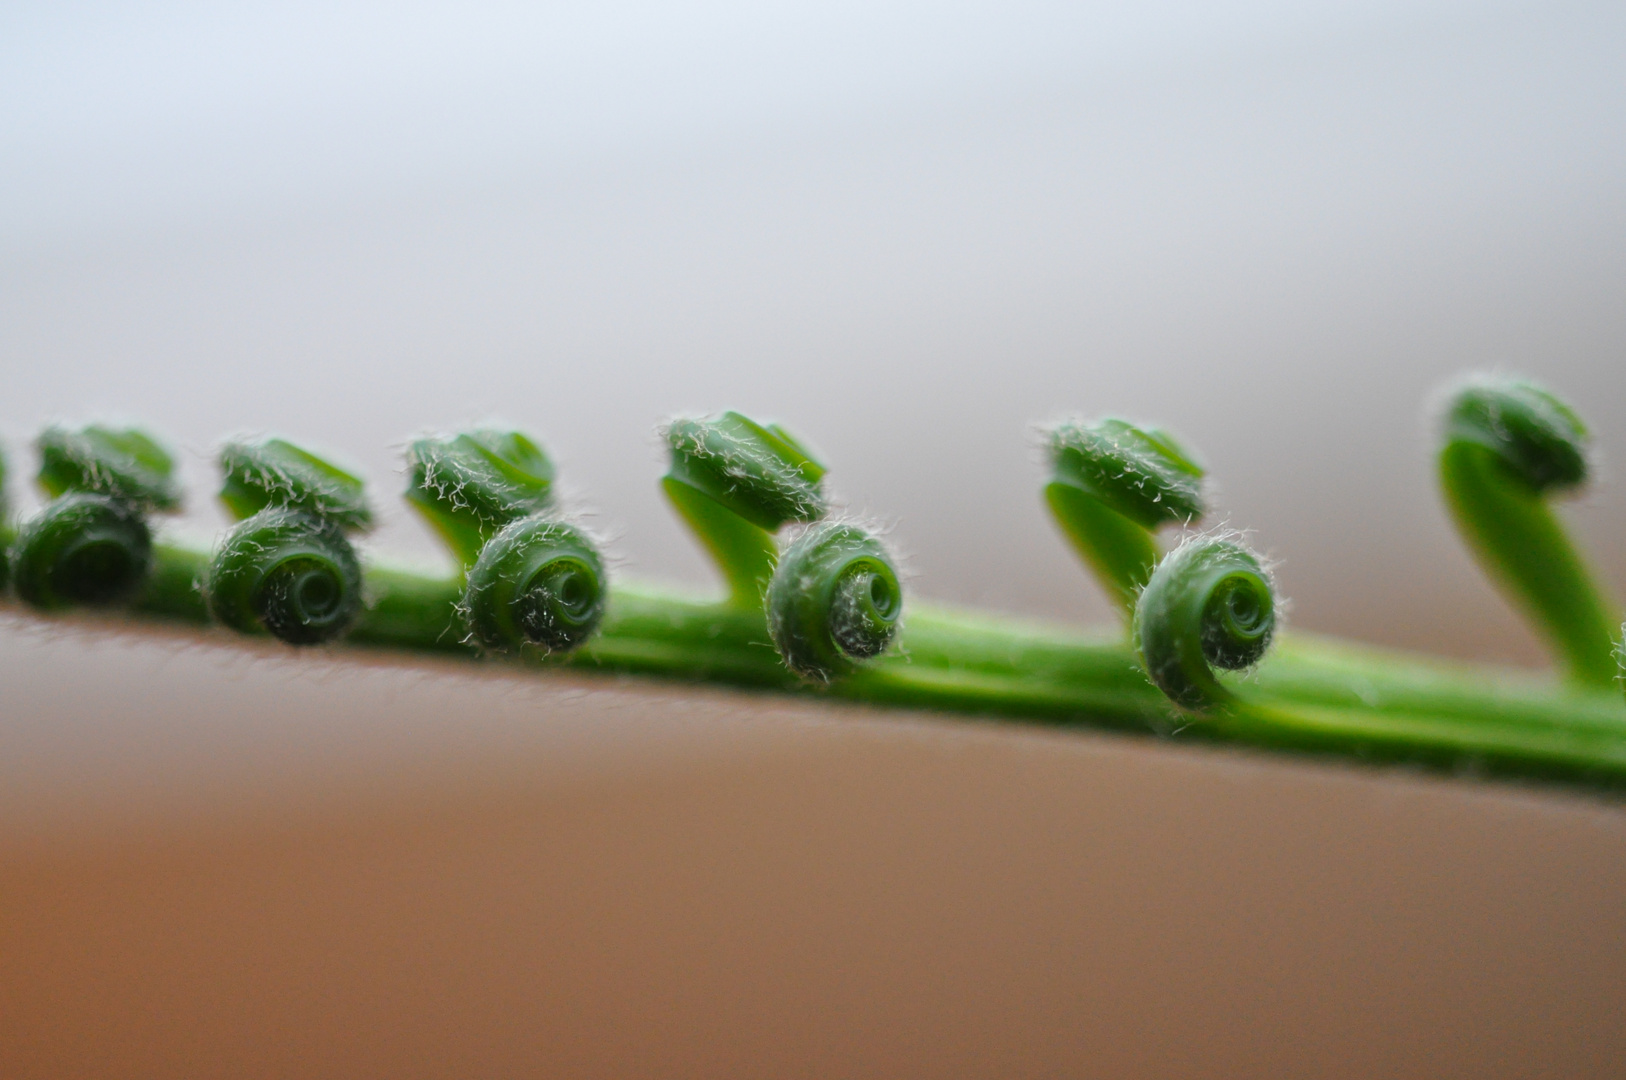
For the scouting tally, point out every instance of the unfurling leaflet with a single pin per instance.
(1536, 437)
(1210, 604)
(470, 485)
(539, 581)
(758, 471)
(287, 573)
(1112, 485)
(125, 463)
(91, 544)
(82, 548)
(834, 601)
(274, 472)
(1508, 446)
(735, 482)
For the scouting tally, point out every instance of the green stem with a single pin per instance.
(1527, 551)
(1120, 552)
(174, 588)
(744, 553)
(411, 610)
(1309, 695)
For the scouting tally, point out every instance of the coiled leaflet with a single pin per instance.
(1210, 604)
(1536, 436)
(757, 471)
(266, 472)
(735, 482)
(126, 463)
(287, 573)
(539, 581)
(834, 601)
(1112, 485)
(468, 486)
(83, 548)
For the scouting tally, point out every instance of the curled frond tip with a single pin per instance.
(1140, 472)
(124, 463)
(470, 485)
(83, 548)
(257, 473)
(539, 582)
(287, 573)
(834, 601)
(1534, 434)
(1210, 604)
(759, 472)
(1509, 445)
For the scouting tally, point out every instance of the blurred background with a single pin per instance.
(907, 231)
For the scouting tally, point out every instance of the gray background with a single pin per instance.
(907, 232)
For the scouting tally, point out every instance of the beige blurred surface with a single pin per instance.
(273, 866)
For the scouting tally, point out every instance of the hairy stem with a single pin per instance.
(1308, 695)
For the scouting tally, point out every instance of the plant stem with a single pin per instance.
(1525, 549)
(744, 553)
(1311, 694)
(1120, 552)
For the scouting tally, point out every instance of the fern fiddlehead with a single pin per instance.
(127, 464)
(82, 549)
(90, 544)
(286, 573)
(539, 582)
(831, 600)
(1210, 604)
(287, 568)
(469, 485)
(735, 483)
(1509, 446)
(530, 579)
(1112, 486)
(834, 601)
(266, 472)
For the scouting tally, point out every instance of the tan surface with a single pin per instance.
(235, 865)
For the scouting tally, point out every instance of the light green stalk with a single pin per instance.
(1310, 694)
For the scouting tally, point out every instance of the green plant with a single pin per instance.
(815, 605)
(1509, 446)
